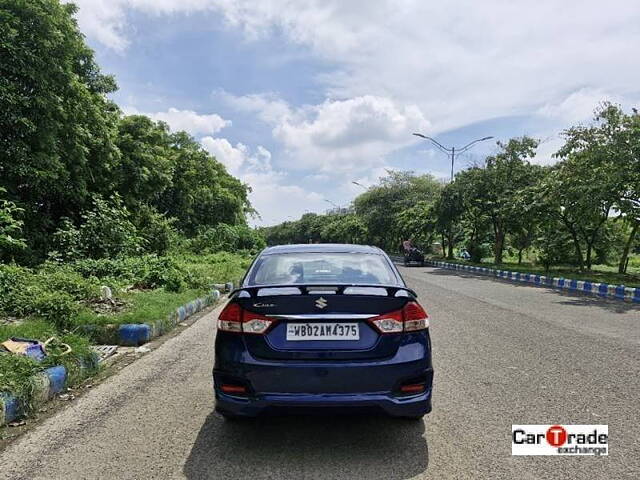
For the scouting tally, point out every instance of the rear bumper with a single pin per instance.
(413, 406)
(336, 386)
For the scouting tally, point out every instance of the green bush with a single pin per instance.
(64, 279)
(24, 292)
(226, 238)
(158, 233)
(105, 231)
(59, 308)
(16, 376)
(80, 363)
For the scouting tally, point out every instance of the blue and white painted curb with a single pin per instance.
(45, 385)
(53, 380)
(136, 334)
(604, 290)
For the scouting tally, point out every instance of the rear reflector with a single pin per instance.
(233, 389)
(413, 388)
(234, 319)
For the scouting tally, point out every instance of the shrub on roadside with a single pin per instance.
(158, 233)
(59, 308)
(105, 230)
(163, 272)
(226, 238)
(16, 377)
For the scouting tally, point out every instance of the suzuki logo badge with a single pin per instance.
(321, 303)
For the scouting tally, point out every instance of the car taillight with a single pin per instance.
(234, 318)
(255, 323)
(230, 319)
(415, 318)
(389, 322)
(410, 319)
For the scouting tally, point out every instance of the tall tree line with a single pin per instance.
(583, 209)
(65, 147)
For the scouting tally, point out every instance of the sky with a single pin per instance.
(301, 98)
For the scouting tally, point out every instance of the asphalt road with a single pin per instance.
(504, 354)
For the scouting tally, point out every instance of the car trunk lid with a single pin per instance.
(323, 322)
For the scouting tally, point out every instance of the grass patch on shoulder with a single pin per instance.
(58, 300)
(17, 371)
(144, 307)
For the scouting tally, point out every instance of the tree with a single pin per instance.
(506, 173)
(380, 206)
(105, 230)
(147, 164)
(201, 192)
(627, 159)
(588, 182)
(525, 215)
(448, 210)
(56, 124)
(471, 186)
(10, 227)
(346, 228)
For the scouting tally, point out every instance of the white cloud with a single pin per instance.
(337, 135)
(273, 195)
(396, 63)
(187, 120)
(106, 20)
(231, 157)
(459, 61)
(578, 106)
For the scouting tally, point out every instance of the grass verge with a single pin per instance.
(57, 300)
(599, 273)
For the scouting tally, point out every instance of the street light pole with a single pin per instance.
(453, 159)
(359, 184)
(452, 151)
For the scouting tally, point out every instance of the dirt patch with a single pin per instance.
(12, 321)
(107, 306)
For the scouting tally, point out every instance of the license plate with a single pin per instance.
(322, 331)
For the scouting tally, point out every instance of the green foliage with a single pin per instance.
(503, 177)
(224, 237)
(67, 152)
(50, 293)
(16, 376)
(163, 272)
(17, 371)
(147, 161)
(202, 194)
(418, 223)
(56, 122)
(343, 228)
(380, 206)
(62, 278)
(57, 308)
(10, 226)
(157, 232)
(553, 244)
(447, 212)
(105, 231)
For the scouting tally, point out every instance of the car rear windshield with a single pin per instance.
(322, 268)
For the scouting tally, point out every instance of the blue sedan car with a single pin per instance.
(323, 328)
